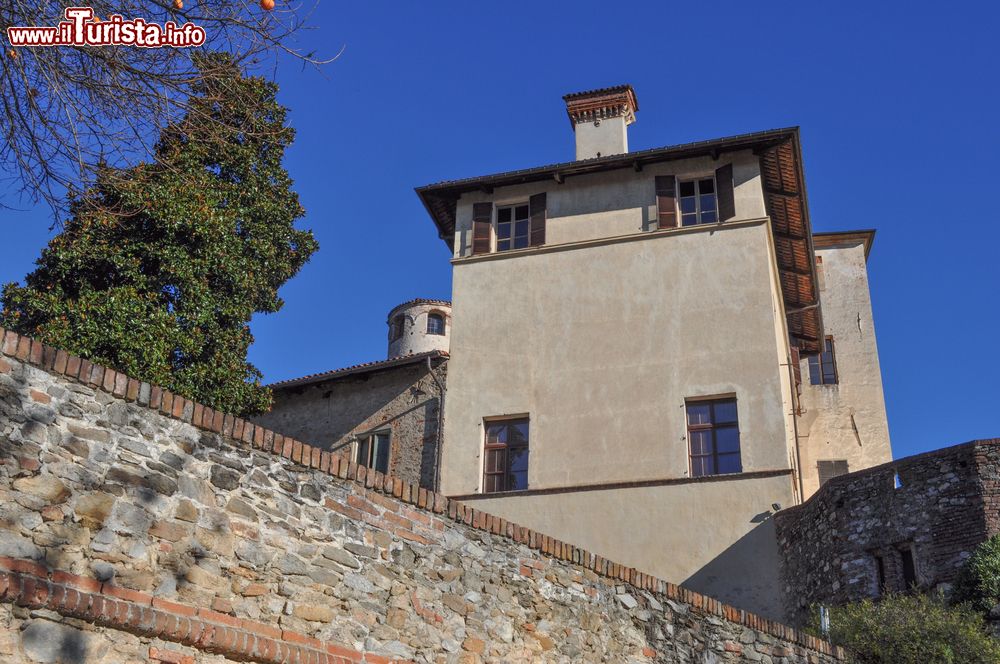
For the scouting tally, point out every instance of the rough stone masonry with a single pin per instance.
(139, 526)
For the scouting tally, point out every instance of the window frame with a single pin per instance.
(495, 227)
(817, 365)
(442, 318)
(713, 426)
(696, 180)
(505, 447)
(371, 462)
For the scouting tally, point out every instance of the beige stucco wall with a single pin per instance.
(846, 420)
(614, 203)
(714, 537)
(601, 343)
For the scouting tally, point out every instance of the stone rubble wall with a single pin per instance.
(947, 503)
(136, 525)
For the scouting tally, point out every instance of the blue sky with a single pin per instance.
(898, 107)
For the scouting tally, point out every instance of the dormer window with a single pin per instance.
(435, 324)
(513, 225)
(698, 202)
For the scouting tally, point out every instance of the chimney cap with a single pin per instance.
(602, 103)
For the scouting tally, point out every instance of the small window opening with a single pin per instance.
(880, 574)
(435, 324)
(909, 569)
(896, 481)
(396, 327)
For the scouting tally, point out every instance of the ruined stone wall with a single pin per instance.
(136, 525)
(947, 502)
(402, 401)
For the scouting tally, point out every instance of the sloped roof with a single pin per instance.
(366, 367)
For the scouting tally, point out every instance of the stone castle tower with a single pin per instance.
(419, 326)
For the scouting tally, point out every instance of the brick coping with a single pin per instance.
(175, 406)
(27, 583)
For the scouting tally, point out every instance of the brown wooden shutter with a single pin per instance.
(536, 208)
(666, 201)
(482, 218)
(724, 183)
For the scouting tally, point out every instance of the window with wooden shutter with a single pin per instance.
(666, 201)
(482, 219)
(725, 194)
(830, 469)
(536, 205)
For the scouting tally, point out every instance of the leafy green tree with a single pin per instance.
(162, 265)
(912, 629)
(979, 581)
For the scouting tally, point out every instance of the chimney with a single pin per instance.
(600, 119)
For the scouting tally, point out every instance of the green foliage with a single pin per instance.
(979, 581)
(162, 265)
(912, 629)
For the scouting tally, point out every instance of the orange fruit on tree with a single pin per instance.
(178, 4)
(267, 5)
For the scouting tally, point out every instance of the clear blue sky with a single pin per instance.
(898, 108)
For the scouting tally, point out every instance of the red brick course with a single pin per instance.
(27, 583)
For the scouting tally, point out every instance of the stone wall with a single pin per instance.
(401, 400)
(944, 504)
(136, 525)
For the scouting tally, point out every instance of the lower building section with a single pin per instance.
(713, 535)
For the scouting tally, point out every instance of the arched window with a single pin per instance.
(396, 327)
(435, 324)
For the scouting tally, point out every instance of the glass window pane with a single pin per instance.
(689, 220)
(520, 242)
(518, 433)
(364, 451)
(518, 460)
(521, 228)
(725, 411)
(494, 461)
(491, 485)
(687, 188)
(521, 212)
(699, 413)
(517, 481)
(503, 230)
(727, 439)
(730, 463)
(381, 453)
(503, 245)
(687, 205)
(707, 202)
(701, 442)
(496, 432)
(435, 324)
(503, 214)
(702, 466)
(708, 217)
(706, 186)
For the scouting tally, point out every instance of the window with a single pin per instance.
(435, 324)
(880, 575)
(373, 452)
(396, 327)
(714, 437)
(830, 469)
(823, 367)
(698, 203)
(505, 466)
(513, 227)
(909, 569)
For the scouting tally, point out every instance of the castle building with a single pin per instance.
(384, 414)
(652, 351)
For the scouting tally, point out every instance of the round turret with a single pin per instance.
(419, 326)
